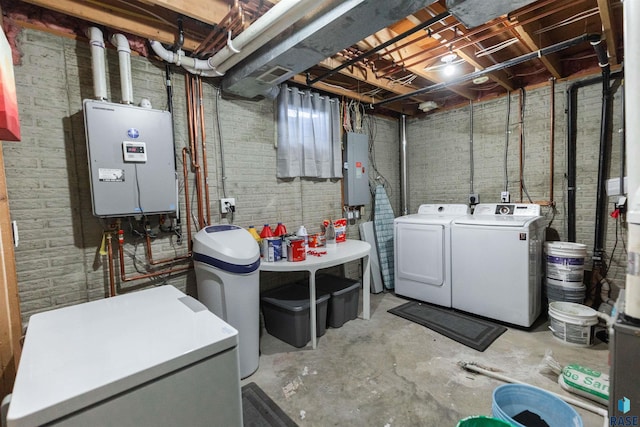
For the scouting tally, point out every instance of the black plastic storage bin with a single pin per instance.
(287, 317)
(343, 305)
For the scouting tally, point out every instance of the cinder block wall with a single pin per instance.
(58, 260)
(439, 160)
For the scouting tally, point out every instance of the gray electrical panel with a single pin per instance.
(356, 169)
(131, 159)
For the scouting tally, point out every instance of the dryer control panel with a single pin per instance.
(514, 209)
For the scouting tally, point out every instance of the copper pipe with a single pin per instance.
(123, 276)
(154, 274)
(205, 169)
(220, 40)
(185, 174)
(195, 155)
(235, 27)
(228, 18)
(112, 281)
(552, 107)
(162, 261)
(193, 136)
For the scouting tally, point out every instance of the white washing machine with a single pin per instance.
(423, 253)
(497, 262)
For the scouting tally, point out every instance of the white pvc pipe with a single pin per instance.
(96, 41)
(193, 65)
(275, 21)
(632, 132)
(124, 57)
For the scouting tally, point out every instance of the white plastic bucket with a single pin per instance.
(572, 323)
(565, 263)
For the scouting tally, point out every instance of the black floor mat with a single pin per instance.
(470, 331)
(258, 410)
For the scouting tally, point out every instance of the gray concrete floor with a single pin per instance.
(388, 371)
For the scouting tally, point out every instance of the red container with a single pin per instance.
(280, 230)
(266, 232)
(296, 250)
(316, 240)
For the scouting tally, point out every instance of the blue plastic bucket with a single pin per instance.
(482, 421)
(510, 400)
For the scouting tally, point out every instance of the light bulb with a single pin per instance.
(449, 70)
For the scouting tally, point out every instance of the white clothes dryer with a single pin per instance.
(423, 252)
(497, 262)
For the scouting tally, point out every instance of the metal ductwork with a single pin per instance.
(472, 13)
(336, 25)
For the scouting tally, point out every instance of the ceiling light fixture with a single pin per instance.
(448, 59)
(481, 79)
(427, 106)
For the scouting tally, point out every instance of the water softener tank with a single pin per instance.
(226, 260)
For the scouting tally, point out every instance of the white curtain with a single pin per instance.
(308, 127)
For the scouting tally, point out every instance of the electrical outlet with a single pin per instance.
(227, 205)
(474, 199)
(504, 197)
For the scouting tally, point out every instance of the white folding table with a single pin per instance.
(349, 250)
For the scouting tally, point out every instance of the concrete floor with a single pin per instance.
(388, 371)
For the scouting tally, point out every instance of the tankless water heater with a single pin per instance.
(131, 159)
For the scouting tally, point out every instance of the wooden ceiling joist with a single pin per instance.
(211, 11)
(608, 30)
(118, 19)
(410, 50)
(526, 35)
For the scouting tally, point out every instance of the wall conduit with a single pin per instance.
(403, 164)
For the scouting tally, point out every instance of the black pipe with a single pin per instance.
(571, 148)
(603, 156)
(368, 53)
(515, 61)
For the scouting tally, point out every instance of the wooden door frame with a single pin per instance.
(10, 320)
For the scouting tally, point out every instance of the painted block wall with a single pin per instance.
(58, 259)
(439, 160)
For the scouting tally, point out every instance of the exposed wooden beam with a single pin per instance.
(526, 35)
(366, 77)
(210, 11)
(500, 77)
(118, 19)
(300, 79)
(387, 34)
(468, 55)
(608, 29)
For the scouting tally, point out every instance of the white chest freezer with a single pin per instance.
(151, 358)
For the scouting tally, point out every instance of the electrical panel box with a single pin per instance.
(131, 159)
(356, 169)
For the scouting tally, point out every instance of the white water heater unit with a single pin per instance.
(131, 159)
